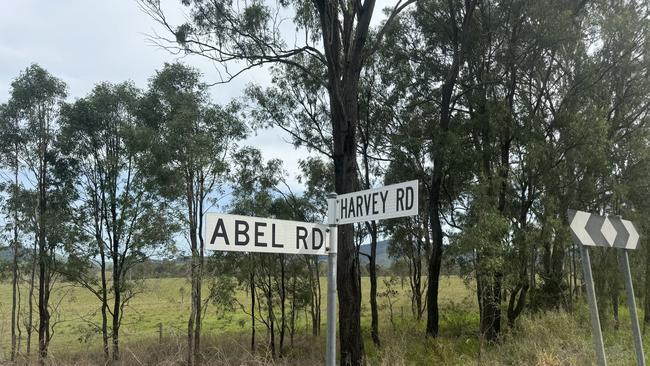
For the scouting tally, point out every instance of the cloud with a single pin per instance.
(86, 42)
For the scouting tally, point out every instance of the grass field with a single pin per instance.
(557, 338)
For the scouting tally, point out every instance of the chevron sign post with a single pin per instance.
(611, 232)
(602, 231)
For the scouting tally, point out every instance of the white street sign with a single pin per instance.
(236, 233)
(604, 231)
(395, 200)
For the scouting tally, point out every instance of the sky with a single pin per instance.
(84, 42)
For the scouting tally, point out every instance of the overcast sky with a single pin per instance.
(84, 42)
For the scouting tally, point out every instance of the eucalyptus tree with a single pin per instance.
(119, 222)
(426, 55)
(333, 34)
(37, 97)
(317, 176)
(187, 143)
(252, 196)
(12, 137)
(621, 93)
(410, 239)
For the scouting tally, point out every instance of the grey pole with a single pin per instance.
(631, 304)
(330, 356)
(593, 307)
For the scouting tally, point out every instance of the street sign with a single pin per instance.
(236, 233)
(604, 231)
(253, 234)
(613, 232)
(395, 200)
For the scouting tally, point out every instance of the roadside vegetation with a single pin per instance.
(507, 113)
(544, 339)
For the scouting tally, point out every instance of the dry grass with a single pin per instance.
(542, 339)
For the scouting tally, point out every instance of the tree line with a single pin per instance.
(508, 114)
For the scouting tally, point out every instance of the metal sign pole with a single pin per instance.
(631, 304)
(330, 356)
(593, 306)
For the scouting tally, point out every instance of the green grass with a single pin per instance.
(553, 338)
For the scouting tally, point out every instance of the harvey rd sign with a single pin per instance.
(235, 233)
(395, 200)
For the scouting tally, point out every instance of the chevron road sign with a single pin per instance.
(612, 232)
(603, 231)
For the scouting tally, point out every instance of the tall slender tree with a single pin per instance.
(12, 137)
(187, 142)
(124, 222)
(37, 97)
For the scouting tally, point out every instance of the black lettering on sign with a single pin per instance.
(359, 206)
(366, 203)
(259, 234)
(409, 198)
(301, 234)
(374, 203)
(384, 197)
(275, 244)
(241, 228)
(344, 208)
(220, 231)
(399, 204)
(314, 244)
(351, 208)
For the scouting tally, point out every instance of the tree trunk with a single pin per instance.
(271, 317)
(374, 332)
(491, 309)
(318, 297)
(99, 204)
(198, 227)
(193, 323)
(199, 311)
(646, 297)
(104, 303)
(193, 201)
(283, 296)
(117, 300)
(30, 302)
(44, 265)
(343, 104)
(438, 157)
(417, 279)
(14, 293)
(314, 294)
(14, 272)
(344, 54)
(516, 304)
(371, 227)
(292, 324)
(435, 261)
(252, 288)
(615, 306)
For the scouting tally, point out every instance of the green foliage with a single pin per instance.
(182, 135)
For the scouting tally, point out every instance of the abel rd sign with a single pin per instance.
(236, 233)
(395, 200)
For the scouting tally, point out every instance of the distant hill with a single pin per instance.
(383, 259)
